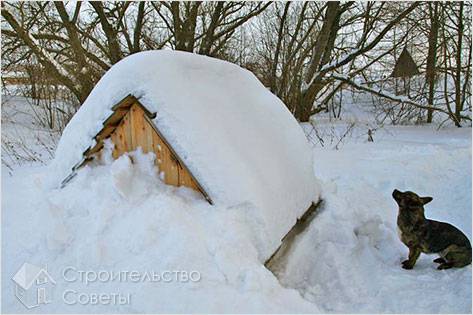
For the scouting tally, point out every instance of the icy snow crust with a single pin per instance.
(237, 138)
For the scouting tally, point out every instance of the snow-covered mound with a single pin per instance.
(120, 217)
(238, 139)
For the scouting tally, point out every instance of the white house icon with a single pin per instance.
(33, 285)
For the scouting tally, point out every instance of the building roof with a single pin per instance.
(405, 65)
(238, 139)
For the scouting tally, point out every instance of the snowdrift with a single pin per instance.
(120, 217)
(239, 140)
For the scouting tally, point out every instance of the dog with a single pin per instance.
(422, 235)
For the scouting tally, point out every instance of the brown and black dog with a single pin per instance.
(429, 236)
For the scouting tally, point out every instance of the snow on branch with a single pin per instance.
(355, 52)
(395, 98)
(31, 41)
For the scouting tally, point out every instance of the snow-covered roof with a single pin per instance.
(238, 139)
(27, 274)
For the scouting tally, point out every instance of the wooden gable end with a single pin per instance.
(130, 126)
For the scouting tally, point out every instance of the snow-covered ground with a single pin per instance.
(352, 245)
(112, 221)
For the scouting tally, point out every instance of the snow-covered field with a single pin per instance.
(118, 218)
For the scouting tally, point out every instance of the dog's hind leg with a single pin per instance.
(457, 256)
(440, 260)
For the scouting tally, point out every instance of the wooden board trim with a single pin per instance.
(125, 103)
(115, 117)
(120, 110)
(273, 262)
(128, 101)
(180, 161)
(92, 150)
(106, 132)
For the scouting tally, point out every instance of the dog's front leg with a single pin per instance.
(414, 253)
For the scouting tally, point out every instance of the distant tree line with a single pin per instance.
(307, 53)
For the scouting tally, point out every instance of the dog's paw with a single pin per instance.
(406, 264)
(445, 266)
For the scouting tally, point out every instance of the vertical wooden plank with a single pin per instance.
(149, 137)
(185, 178)
(157, 149)
(126, 132)
(173, 177)
(98, 155)
(165, 161)
(118, 141)
(136, 131)
(133, 126)
(147, 134)
(140, 129)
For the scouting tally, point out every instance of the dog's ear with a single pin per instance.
(426, 200)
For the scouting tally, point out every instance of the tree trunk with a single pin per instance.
(185, 25)
(278, 49)
(323, 38)
(458, 59)
(432, 56)
(321, 55)
(82, 66)
(138, 27)
(115, 53)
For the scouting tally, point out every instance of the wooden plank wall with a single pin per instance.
(135, 131)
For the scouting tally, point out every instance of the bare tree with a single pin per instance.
(205, 27)
(307, 53)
